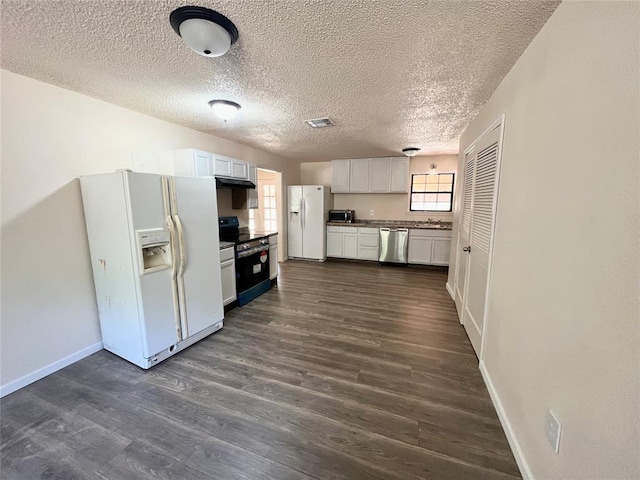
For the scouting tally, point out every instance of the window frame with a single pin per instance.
(450, 192)
(273, 211)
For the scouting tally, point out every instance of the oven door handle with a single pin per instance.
(253, 251)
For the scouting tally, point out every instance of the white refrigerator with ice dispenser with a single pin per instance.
(308, 212)
(154, 247)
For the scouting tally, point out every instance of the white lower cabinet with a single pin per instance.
(228, 272)
(420, 249)
(429, 247)
(352, 242)
(273, 257)
(368, 243)
(426, 246)
(440, 251)
(342, 242)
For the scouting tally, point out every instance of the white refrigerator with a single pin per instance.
(155, 255)
(308, 213)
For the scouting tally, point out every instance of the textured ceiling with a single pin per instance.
(391, 74)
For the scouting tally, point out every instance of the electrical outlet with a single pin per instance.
(371, 213)
(552, 429)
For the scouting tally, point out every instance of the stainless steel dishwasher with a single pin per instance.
(393, 245)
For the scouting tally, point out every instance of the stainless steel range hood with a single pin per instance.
(222, 182)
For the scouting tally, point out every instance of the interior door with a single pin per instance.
(464, 233)
(196, 207)
(482, 220)
(313, 223)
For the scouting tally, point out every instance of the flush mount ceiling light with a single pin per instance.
(206, 32)
(320, 122)
(410, 151)
(224, 109)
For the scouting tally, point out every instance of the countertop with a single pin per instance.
(395, 223)
(224, 245)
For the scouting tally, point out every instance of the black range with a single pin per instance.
(252, 259)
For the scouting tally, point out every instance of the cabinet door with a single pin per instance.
(440, 251)
(252, 194)
(379, 175)
(203, 164)
(334, 244)
(399, 175)
(350, 245)
(222, 166)
(420, 250)
(359, 175)
(239, 169)
(228, 271)
(339, 176)
(186, 163)
(273, 261)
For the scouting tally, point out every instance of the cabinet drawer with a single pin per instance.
(367, 253)
(334, 229)
(369, 231)
(368, 240)
(427, 232)
(227, 254)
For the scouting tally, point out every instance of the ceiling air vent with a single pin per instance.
(320, 122)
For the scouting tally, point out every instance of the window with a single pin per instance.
(269, 208)
(431, 192)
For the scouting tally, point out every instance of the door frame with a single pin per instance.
(281, 209)
(498, 123)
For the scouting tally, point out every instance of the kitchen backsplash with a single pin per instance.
(225, 209)
(388, 206)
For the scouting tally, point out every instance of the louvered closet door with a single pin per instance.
(464, 238)
(482, 216)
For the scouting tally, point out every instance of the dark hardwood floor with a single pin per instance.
(345, 371)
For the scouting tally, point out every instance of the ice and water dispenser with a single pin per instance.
(154, 247)
(295, 205)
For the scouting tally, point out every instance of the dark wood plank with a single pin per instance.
(344, 371)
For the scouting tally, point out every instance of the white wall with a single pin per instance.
(385, 206)
(563, 320)
(50, 136)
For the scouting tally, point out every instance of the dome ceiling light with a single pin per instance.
(224, 109)
(410, 151)
(205, 31)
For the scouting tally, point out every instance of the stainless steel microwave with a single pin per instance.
(342, 216)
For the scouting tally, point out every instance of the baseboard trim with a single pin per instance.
(28, 379)
(450, 290)
(523, 465)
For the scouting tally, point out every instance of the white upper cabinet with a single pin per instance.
(399, 175)
(239, 169)
(223, 166)
(252, 194)
(196, 163)
(192, 163)
(370, 175)
(359, 175)
(340, 176)
(379, 174)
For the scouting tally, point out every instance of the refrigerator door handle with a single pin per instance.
(181, 247)
(175, 253)
(183, 250)
(303, 212)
